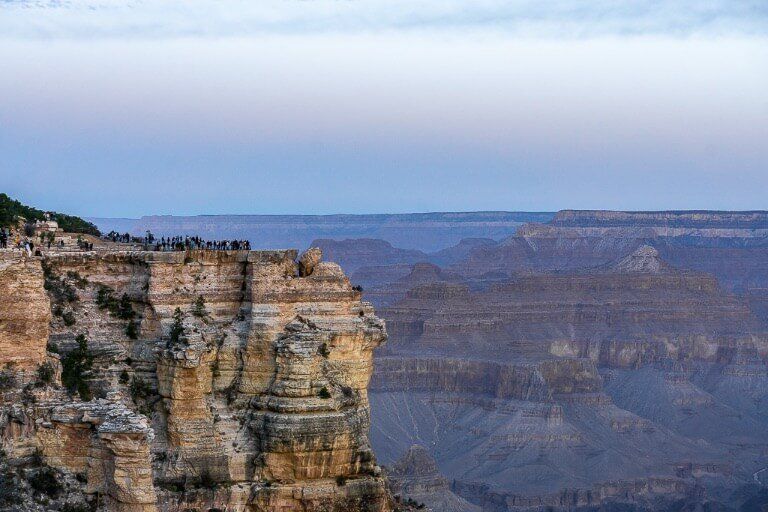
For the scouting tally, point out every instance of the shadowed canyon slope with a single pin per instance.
(603, 358)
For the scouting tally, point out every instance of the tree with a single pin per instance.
(177, 329)
(11, 210)
(76, 366)
(198, 308)
(124, 309)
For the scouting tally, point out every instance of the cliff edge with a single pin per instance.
(196, 380)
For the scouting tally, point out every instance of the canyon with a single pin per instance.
(139, 381)
(584, 361)
(601, 359)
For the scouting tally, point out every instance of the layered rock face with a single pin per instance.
(220, 380)
(417, 476)
(25, 312)
(591, 362)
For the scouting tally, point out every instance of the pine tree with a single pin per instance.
(76, 366)
(198, 308)
(177, 329)
(124, 309)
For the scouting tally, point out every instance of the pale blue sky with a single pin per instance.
(127, 108)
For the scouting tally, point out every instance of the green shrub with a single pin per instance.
(46, 481)
(60, 290)
(77, 507)
(10, 496)
(176, 335)
(45, 373)
(140, 389)
(7, 379)
(131, 330)
(206, 480)
(75, 276)
(76, 366)
(69, 318)
(124, 309)
(124, 377)
(140, 393)
(105, 299)
(198, 308)
(324, 393)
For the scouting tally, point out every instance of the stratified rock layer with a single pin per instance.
(228, 380)
(25, 311)
(606, 357)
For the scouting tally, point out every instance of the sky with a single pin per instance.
(127, 108)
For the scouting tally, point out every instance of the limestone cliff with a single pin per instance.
(193, 380)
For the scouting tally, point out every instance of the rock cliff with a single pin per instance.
(603, 361)
(198, 380)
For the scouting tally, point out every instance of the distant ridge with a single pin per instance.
(422, 231)
(753, 219)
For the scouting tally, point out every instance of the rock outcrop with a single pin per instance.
(197, 380)
(25, 312)
(417, 476)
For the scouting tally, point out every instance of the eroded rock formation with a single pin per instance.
(606, 359)
(197, 380)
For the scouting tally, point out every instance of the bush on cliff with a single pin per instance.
(7, 379)
(76, 366)
(58, 287)
(105, 299)
(45, 373)
(132, 330)
(124, 309)
(198, 308)
(176, 335)
(46, 481)
(9, 490)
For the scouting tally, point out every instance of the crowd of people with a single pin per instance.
(82, 244)
(114, 236)
(179, 243)
(148, 242)
(22, 243)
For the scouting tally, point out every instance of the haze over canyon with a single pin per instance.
(569, 360)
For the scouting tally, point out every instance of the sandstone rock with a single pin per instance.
(256, 400)
(25, 312)
(309, 261)
(644, 260)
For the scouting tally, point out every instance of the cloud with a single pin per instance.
(560, 18)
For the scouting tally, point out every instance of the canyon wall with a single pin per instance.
(605, 359)
(197, 380)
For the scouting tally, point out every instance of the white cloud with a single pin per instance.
(569, 18)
